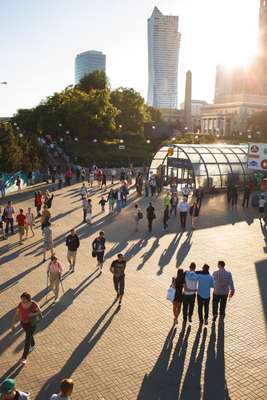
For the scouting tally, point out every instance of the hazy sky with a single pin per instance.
(40, 38)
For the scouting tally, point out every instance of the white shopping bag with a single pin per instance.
(171, 294)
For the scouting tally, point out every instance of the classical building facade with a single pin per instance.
(163, 53)
(239, 92)
(87, 62)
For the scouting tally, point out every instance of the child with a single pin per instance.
(66, 388)
(102, 203)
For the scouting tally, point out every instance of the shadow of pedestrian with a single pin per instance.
(261, 270)
(191, 389)
(163, 382)
(78, 355)
(13, 371)
(146, 256)
(215, 386)
(168, 253)
(184, 250)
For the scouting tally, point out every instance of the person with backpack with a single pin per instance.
(66, 389)
(27, 313)
(72, 243)
(138, 215)
(118, 270)
(8, 391)
(98, 247)
(150, 214)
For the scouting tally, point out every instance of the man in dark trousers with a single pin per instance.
(246, 197)
(118, 270)
(223, 288)
(150, 214)
(72, 243)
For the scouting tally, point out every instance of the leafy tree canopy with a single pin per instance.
(95, 80)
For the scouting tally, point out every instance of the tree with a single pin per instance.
(155, 114)
(95, 80)
(258, 123)
(10, 151)
(132, 112)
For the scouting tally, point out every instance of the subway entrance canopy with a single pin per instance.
(202, 165)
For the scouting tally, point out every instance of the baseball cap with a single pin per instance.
(7, 386)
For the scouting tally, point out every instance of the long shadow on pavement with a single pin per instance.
(168, 253)
(163, 382)
(78, 355)
(215, 385)
(261, 270)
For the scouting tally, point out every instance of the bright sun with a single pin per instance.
(236, 38)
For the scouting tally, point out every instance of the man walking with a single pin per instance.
(72, 243)
(99, 247)
(118, 270)
(54, 272)
(246, 197)
(189, 294)
(183, 207)
(223, 287)
(21, 220)
(150, 214)
(205, 283)
(8, 214)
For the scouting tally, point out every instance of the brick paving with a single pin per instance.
(134, 352)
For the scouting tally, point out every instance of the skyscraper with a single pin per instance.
(163, 53)
(87, 62)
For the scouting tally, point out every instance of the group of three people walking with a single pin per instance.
(188, 284)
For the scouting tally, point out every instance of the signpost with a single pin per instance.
(257, 156)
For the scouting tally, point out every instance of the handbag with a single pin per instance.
(94, 253)
(171, 294)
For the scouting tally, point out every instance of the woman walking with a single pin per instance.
(45, 217)
(194, 212)
(89, 211)
(111, 200)
(48, 241)
(178, 284)
(54, 272)
(98, 246)
(29, 222)
(27, 312)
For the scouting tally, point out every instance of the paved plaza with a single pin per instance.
(135, 352)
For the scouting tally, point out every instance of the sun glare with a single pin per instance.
(236, 38)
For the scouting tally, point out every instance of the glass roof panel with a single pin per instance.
(220, 158)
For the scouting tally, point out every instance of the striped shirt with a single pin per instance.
(223, 282)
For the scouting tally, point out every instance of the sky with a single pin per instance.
(40, 38)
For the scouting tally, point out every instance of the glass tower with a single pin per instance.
(87, 62)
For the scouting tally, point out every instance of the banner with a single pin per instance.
(257, 156)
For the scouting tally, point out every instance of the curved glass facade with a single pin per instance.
(202, 165)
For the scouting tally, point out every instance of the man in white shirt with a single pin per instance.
(184, 208)
(185, 191)
(9, 213)
(189, 294)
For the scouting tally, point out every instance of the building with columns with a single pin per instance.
(239, 92)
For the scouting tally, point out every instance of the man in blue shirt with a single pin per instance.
(205, 283)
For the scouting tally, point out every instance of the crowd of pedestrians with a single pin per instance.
(186, 288)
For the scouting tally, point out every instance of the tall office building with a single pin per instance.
(163, 53)
(87, 62)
